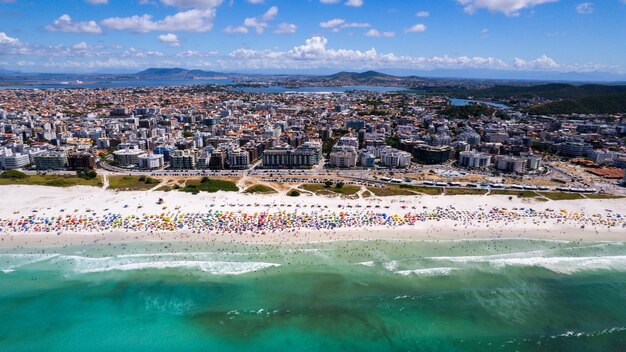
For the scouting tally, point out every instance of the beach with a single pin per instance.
(56, 216)
(234, 271)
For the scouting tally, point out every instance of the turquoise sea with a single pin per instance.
(478, 295)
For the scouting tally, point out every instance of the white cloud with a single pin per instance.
(193, 4)
(584, 8)
(286, 28)
(375, 33)
(66, 24)
(258, 23)
(507, 7)
(542, 63)
(97, 2)
(356, 25)
(81, 45)
(170, 39)
(236, 29)
(132, 52)
(193, 53)
(270, 14)
(314, 53)
(416, 28)
(256, 2)
(188, 21)
(336, 24)
(354, 3)
(422, 14)
(332, 23)
(5, 39)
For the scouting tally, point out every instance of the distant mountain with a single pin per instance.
(8, 72)
(176, 73)
(370, 78)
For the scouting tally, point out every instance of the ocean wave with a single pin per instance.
(10, 262)
(212, 267)
(589, 334)
(561, 265)
(427, 272)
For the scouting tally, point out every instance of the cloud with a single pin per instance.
(584, 8)
(542, 63)
(97, 2)
(354, 3)
(188, 21)
(332, 23)
(422, 14)
(375, 33)
(170, 39)
(258, 23)
(236, 29)
(132, 52)
(286, 28)
(336, 24)
(193, 4)
(315, 53)
(5, 39)
(81, 45)
(256, 2)
(416, 28)
(507, 7)
(66, 24)
(193, 53)
(270, 14)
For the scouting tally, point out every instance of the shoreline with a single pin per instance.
(575, 220)
(444, 233)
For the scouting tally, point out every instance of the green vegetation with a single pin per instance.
(519, 194)
(131, 183)
(340, 188)
(547, 91)
(431, 191)
(603, 196)
(596, 104)
(209, 185)
(12, 177)
(294, 193)
(328, 144)
(562, 195)
(465, 191)
(389, 191)
(467, 111)
(259, 189)
(87, 174)
(393, 142)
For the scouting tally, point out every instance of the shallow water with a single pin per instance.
(479, 295)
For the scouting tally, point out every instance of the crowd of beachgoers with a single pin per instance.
(322, 218)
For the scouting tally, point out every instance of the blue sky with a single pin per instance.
(309, 35)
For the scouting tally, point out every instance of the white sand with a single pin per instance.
(20, 200)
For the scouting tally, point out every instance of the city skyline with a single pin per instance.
(512, 38)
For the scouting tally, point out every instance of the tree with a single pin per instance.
(328, 183)
(293, 193)
(205, 180)
(339, 185)
(86, 174)
(13, 174)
